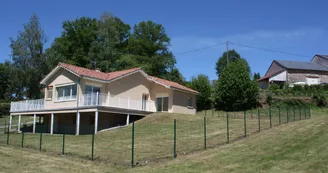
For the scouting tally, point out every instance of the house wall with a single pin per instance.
(274, 68)
(61, 77)
(320, 61)
(301, 75)
(159, 90)
(132, 86)
(264, 84)
(180, 103)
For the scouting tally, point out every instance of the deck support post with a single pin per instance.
(10, 122)
(128, 119)
(96, 121)
(52, 124)
(34, 122)
(77, 123)
(19, 123)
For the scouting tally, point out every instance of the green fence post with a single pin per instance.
(8, 135)
(93, 142)
(205, 133)
(228, 128)
(245, 130)
(175, 139)
(310, 112)
(299, 108)
(41, 138)
(4, 130)
(132, 157)
(63, 146)
(279, 116)
(259, 118)
(270, 117)
(287, 109)
(22, 139)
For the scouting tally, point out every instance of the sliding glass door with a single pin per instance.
(91, 95)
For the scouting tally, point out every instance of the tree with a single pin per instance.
(148, 48)
(222, 61)
(202, 84)
(256, 76)
(28, 58)
(175, 76)
(74, 44)
(235, 90)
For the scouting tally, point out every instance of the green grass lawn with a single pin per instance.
(295, 147)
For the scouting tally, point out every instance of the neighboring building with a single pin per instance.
(81, 98)
(295, 72)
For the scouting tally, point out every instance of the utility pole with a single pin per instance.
(227, 43)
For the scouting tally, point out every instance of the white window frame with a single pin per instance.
(48, 92)
(189, 102)
(71, 98)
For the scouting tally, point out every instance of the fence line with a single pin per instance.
(153, 139)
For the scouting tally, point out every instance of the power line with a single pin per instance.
(268, 50)
(199, 49)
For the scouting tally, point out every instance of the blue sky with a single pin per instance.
(291, 26)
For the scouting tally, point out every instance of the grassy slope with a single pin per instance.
(297, 147)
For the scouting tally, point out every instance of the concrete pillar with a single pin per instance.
(128, 119)
(10, 122)
(52, 124)
(19, 123)
(77, 123)
(96, 122)
(34, 123)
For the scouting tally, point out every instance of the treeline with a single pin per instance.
(109, 44)
(106, 43)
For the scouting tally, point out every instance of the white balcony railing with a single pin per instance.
(101, 99)
(92, 99)
(27, 105)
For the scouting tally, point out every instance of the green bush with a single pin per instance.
(298, 88)
(274, 87)
(4, 109)
(319, 99)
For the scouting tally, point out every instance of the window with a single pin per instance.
(67, 92)
(49, 93)
(189, 101)
(162, 104)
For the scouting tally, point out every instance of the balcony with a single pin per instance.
(89, 100)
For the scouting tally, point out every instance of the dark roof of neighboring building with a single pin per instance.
(322, 56)
(298, 65)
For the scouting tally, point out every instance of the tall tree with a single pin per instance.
(234, 90)
(28, 56)
(148, 47)
(223, 60)
(202, 84)
(74, 44)
(256, 76)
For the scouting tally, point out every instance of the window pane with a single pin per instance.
(165, 103)
(73, 91)
(159, 104)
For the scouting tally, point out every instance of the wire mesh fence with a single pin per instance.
(152, 139)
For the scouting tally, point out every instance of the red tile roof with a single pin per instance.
(172, 84)
(80, 71)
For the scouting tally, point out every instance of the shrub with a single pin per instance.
(319, 99)
(298, 88)
(274, 87)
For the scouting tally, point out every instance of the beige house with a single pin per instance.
(79, 100)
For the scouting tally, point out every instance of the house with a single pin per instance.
(79, 100)
(296, 72)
